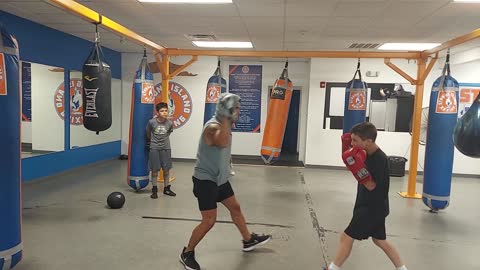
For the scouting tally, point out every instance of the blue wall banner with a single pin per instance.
(246, 81)
(26, 92)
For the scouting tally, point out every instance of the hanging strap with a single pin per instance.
(364, 86)
(445, 71)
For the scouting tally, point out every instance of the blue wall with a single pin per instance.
(44, 45)
(48, 164)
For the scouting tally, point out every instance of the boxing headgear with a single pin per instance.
(226, 106)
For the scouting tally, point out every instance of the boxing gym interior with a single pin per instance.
(75, 186)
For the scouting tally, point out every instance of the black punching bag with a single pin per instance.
(466, 135)
(97, 96)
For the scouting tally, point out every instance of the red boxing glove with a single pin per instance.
(346, 141)
(354, 159)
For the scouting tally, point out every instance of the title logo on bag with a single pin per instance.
(148, 96)
(213, 93)
(76, 102)
(90, 98)
(179, 103)
(3, 76)
(90, 79)
(357, 100)
(446, 102)
(278, 93)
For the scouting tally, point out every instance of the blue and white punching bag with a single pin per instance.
(141, 112)
(215, 86)
(442, 118)
(355, 101)
(10, 160)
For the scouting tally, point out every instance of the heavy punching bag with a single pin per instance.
(466, 135)
(442, 118)
(141, 111)
(215, 86)
(278, 107)
(355, 101)
(10, 160)
(97, 97)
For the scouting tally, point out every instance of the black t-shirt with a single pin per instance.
(375, 202)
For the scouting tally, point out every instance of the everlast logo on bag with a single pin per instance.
(91, 108)
(278, 93)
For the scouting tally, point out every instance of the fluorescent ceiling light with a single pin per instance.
(188, 1)
(467, 1)
(223, 44)
(408, 46)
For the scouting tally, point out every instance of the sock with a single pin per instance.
(166, 179)
(332, 266)
(403, 267)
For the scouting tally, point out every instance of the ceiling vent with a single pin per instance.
(201, 37)
(363, 45)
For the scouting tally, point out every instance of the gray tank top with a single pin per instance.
(213, 163)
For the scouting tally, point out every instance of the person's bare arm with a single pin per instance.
(217, 134)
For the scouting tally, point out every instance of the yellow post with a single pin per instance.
(160, 177)
(417, 118)
(165, 70)
(165, 77)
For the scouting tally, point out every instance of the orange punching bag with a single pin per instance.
(277, 115)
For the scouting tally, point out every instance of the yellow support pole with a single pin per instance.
(417, 118)
(165, 77)
(95, 17)
(183, 67)
(160, 178)
(399, 71)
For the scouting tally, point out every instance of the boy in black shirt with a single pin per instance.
(371, 205)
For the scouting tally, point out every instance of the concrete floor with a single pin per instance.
(67, 226)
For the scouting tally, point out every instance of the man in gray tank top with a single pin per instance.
(211, 180)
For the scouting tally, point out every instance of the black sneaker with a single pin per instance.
(169, 192)
(188, 260)
(154, 193)
(255, 240)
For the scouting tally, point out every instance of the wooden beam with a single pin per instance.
(165, 78)
(159, 61)
(119, 29)
(94, 17)
(295, 54)
(183, 67)
(400, 72)
(453, 42)
(429, 68)
(78, 9)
